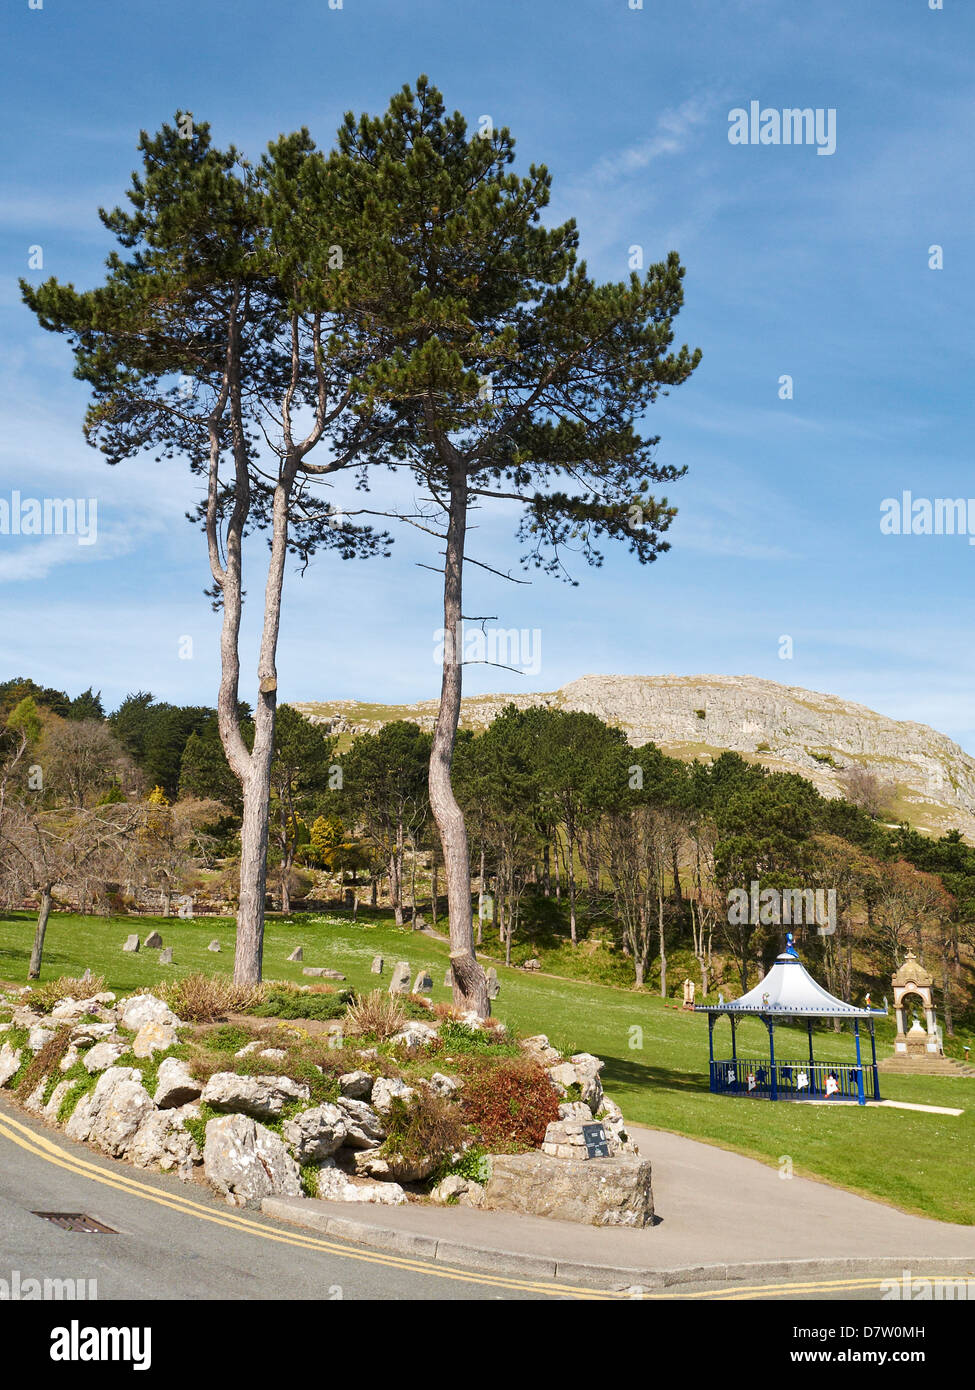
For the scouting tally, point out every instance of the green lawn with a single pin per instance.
(656, 1055)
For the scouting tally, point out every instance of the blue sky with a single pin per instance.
(800, 264)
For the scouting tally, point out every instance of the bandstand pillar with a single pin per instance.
(861, 1098)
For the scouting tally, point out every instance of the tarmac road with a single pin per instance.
(173, 1240)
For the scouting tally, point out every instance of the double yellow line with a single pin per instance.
(41, 1147)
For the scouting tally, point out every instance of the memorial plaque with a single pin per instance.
(597, 1145)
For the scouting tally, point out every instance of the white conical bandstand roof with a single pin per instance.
(789, 991)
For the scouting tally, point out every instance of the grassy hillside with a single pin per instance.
(656, 1055)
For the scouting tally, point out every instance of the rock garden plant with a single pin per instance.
(297, 1091)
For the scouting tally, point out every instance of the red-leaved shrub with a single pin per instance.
(509, 1105)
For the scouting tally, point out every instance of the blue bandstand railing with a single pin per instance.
(784, 1080)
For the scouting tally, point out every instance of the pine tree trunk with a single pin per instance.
(395, 889)
(676, 872)
(413, 884)
(470, 982)
(571, 875)
(249, 949)
(37, 950)
(663, 947)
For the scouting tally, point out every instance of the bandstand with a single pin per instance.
(789, 994)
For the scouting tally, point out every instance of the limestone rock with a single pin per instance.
(262, 1096)
(592, 1091)
(532, 964)
(618, 1136)
(70, 1010)
(377, 965)
(423, 984)
(297, 954)
(92, 1032)
(26, 1018)
(315, 1134)
(114, 1112)
(153, 941)
(575, 1111)
(357, 1085)
(370, 1164)
(164, 1142)
(365, 1128)
(464, 1191)
(444, 1086)
(154, 1037)
(103, 1055)
(131, 942)
(214, 946)
(176, 1086)
(57, 1095)
(9, 1062)
(35, 1101)
(146, 1008)
(245, 1162)
(335, 1186)
(449, 1187)
(387, 1089)
(493, 983)
(583, 1071)
(562, 1076)
(39, 1036)
(400, 982)
(586, 1062)
(166, 955)
(79, 1123)
(597, 1192)
(414, 1035)
(470, 1019)
(610, 1110)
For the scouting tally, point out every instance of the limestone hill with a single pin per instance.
(785, 727)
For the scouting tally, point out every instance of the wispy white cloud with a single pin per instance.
(24, 210)
(673, 133)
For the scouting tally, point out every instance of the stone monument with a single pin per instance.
(912, 980)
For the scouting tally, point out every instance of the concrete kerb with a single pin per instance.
(314, 1215)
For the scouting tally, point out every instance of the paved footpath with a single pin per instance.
(719, 1215)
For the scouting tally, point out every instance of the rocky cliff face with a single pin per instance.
(785, 727)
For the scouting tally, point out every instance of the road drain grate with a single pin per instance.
(76, 1221)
